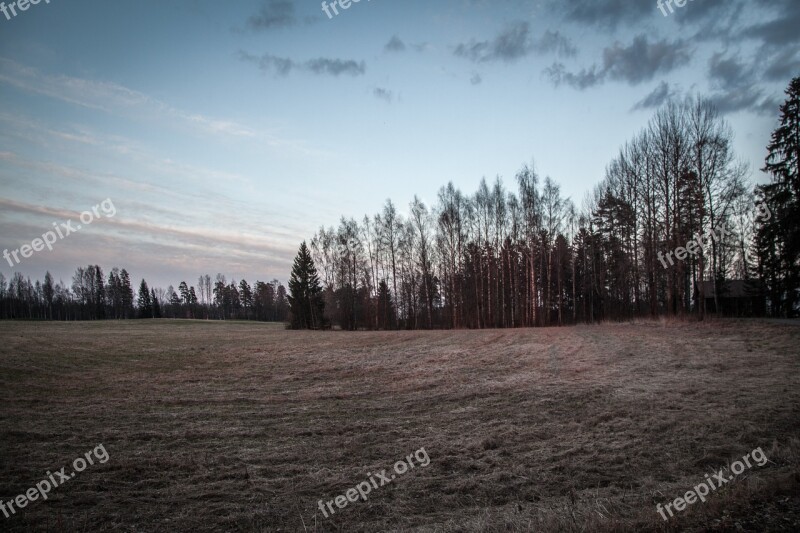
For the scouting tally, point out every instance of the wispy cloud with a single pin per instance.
(113, 98)
(395, 45)
(606, 14)
(384, 94)
(636, 63)
(735, 89)
(658, 97)
(273, 14)
(321, 66)
(514, 43)
(780, 31)
(188, 239)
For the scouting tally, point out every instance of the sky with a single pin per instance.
(222, 134)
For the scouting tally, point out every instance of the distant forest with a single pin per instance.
(94, 297)
(500, 258)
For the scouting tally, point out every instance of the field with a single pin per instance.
(245, 427)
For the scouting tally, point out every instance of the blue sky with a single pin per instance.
(227, 132)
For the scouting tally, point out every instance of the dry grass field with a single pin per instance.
(244, 427)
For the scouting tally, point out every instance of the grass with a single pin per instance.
(242, 426)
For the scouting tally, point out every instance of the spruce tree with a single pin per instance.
(126, 294)
(145, 303)
(778, 236)
(306, 301)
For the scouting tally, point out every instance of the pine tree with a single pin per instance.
(778, 236)
(127, 294)
(184, 290)
(145, 303)
(306, 301)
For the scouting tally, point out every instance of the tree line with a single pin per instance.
(500, 258)
(514, 258)
(92, 296)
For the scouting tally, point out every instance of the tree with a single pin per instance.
(114, 293)
(204, 286)
(778, 236)
(233, 299)
(183, 288)
(126, 294)
(220, 290)
(246, 296)
(99, 293)
(305, 298)
(174, 302)
(390, 234)
(386, 316)
(145, 302)
(48, 293)
(421, 221)
(156, 306)
(282, 302)
(264, 301)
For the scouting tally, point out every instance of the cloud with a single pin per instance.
(335, 67)
(641, 61)
(113, 99)
(708, 10)
(383, 94)
(273, 14)
(734, 83)
(713, 18)
(514, 43)
(584, 79)
(266, 62)
(750, 99)
(727, 72)
(607, 14)
(126, 230)
(783, 66)
(660, 95)
(284, 66)
(781, 30)
(395, 45)
(767, 29)
(510, 45)
(637, 63)
(553, 41)
(145, 171)
(476, 79)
